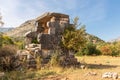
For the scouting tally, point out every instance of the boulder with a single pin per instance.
(2, 74)
(113, 75)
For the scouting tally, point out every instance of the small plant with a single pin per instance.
(7, 58)
(55, 59)
(39, 60)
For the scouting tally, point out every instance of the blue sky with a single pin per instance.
(101, 17)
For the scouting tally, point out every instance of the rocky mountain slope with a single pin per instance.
(29, 26)
(115, 40)
(5, 29)
(22, 29)
(94, 39)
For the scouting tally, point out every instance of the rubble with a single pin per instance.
(91, 74)
(113, 75)
(82, 66)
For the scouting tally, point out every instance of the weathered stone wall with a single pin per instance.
(48, 41)
(54, 25)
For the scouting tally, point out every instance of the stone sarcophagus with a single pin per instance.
(48, 31)
(48, 41)
(50, 27)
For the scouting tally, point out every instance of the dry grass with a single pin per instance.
(96, 64)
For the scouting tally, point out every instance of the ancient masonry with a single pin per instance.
(48, 31)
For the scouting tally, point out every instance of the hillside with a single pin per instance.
(115, 40)
(5, 29)
(22, 29)
(29, 26)
(94, 39)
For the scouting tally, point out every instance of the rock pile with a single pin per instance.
(91, 74)
(113, 75)
(34, 49)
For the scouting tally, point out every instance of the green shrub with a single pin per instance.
(90, 49)
(20, 44)
(54, 61)
(7, 40)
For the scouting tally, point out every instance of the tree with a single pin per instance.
(90, 49)
(74, 36)
(106, 50)
(1, 22)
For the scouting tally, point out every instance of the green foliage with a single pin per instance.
(5, 40)
(54, 61)
(35, 41)
(39, 60)
(111, 49)
(19, 44)
(74, 37)
(1, 40)
(89, 49)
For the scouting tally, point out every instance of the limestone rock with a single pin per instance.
(2, 74)
(91, 74)
(113, 75)
(82, 66)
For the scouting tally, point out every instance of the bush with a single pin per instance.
(106, 50)
(54, 61)
(90, 49)
(7, 40)
(20, 44)
(7, 59)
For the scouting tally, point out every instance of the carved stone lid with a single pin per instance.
(47, 16)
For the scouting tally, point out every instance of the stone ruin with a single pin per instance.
(48, 33)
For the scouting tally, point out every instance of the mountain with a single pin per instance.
(22, 29)
(30, 26)
(115, 40)
(5, 29)
(94, 39)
